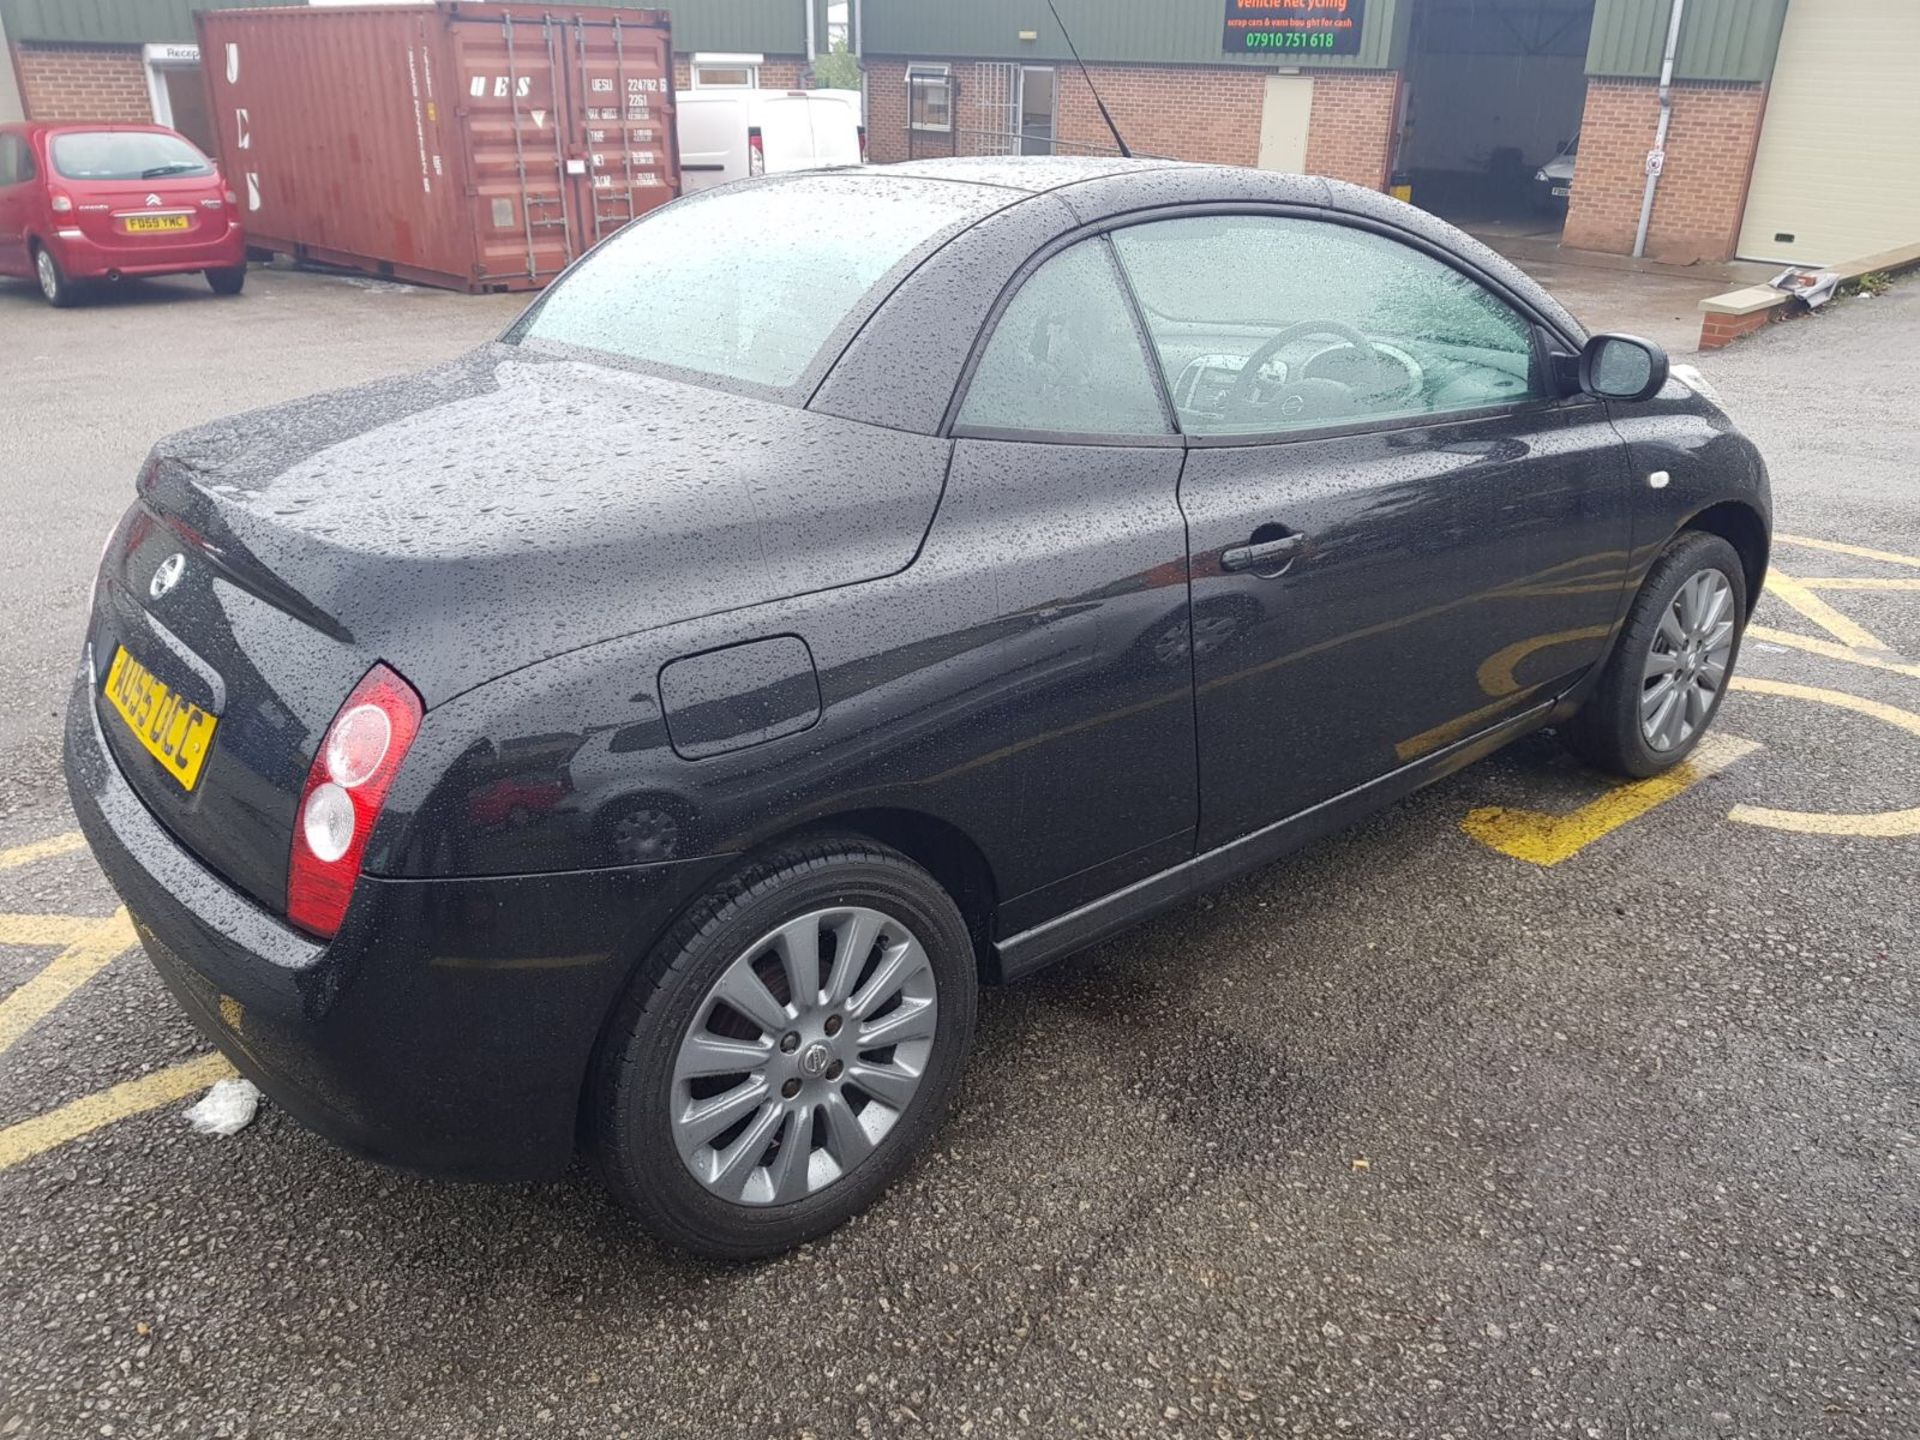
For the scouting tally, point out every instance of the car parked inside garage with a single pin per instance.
(650, 729)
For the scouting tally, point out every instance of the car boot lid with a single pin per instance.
(470, 499)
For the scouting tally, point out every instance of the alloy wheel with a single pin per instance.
(48, 274)
(803, 1055)
(1686, 666)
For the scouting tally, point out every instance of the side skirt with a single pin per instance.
(1097, 920)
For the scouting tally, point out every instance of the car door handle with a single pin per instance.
(1262, 554)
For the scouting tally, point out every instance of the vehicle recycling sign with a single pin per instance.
(1297, 29)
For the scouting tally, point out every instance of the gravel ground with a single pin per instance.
(1402, 1137)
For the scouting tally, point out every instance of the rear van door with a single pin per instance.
(785, 122)
(713, 138)
(836, 128)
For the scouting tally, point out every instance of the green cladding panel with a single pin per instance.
(1728, 40)
(770, 27)
(1150, 32)
(754, 27)
(113, 22)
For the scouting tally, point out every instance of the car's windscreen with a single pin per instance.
(126, 155)
(746, 284)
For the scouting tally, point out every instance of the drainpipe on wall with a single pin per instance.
(854, 10)
(1657, 157)
(813, 43)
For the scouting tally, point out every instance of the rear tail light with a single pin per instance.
(863, 144)
(756, 152)
(352, 771)
(61, 204)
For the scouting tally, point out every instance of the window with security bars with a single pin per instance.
(929, 99)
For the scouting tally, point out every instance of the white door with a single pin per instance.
(1284, 115)
(1837, 175)
(1036, 111)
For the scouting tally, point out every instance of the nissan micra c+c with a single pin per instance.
(838, 590)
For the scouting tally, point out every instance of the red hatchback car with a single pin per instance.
(83, 202)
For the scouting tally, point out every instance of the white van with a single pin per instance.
(731, 134)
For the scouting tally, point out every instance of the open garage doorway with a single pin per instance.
(1494, 94)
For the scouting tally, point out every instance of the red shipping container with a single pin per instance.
(481, 147)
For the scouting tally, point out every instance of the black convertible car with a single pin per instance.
(837, 591)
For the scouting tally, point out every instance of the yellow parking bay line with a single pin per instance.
(46, 929)
(1540, 838)
(1859, 551)
(81, 1117)
(88, 952)
(42, 849)
(1877, 825)
(1857, 582)
(1829, 649)
(1789, 591)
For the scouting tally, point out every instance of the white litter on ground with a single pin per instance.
(226, 1109)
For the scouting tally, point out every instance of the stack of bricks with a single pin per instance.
(84, 82)
(1711, 140)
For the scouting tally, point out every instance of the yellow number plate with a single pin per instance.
(136, 223)
(175, 732)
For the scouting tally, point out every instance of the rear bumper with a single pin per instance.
(85, 259)
(447, 1029)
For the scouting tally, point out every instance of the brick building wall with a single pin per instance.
(1189, 113)
(1350, 131)
(777, 72)
(1711, 141)
(886, 111)
(83, 82)
(980, 113)
(1186, 112)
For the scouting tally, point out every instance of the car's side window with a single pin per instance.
(23, 166)
(10, 161)
(1264, 323)
(1066, 356)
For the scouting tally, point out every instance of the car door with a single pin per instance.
(1399, 537)
(1061, 503)
(16, 169)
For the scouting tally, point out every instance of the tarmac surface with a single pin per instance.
(1411, 1135)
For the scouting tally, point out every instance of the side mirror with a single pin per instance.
(1622, 367)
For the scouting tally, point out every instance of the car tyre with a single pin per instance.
(1683, 628)
(54, 284)
(788, 1168)
(228, 279)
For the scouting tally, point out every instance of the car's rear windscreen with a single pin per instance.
(125, 155)
(748, 283)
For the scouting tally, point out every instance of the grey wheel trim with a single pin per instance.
(1686, 665)
(815, 1097)
(49, 277)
